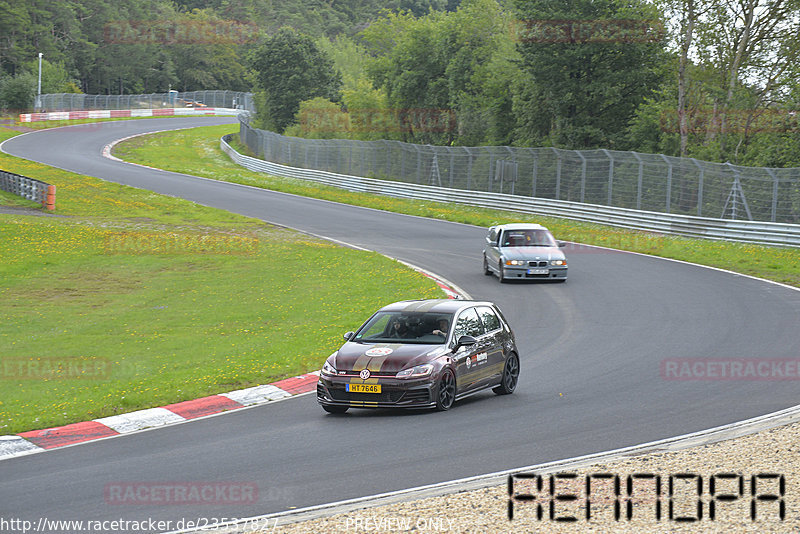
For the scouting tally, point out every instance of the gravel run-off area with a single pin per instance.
(766, 455)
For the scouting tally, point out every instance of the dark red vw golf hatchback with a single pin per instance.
(421, 354)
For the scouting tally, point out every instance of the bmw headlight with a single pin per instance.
(515, 262)
(416, 372)
(558, 262)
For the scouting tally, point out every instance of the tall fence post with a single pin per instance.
(669, 182)
(491, 169)
(583, 176)
(774, 210)
(452, 164)
(558, 173)
(610, 173)
(419, 164)
(469, 167)
(639, 186)
(699, 187)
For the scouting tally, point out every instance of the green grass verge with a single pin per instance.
(196, 151)
(125, 299)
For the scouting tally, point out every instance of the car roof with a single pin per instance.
(434, 305)
(520, 226)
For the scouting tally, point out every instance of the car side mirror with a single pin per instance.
(349, 335)
(561, 244)
(465, 341)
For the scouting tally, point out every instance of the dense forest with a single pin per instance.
(713, 79)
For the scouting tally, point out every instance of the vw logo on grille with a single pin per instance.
(364, 374)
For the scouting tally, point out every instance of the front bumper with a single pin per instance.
(513, 272)
(395, 393)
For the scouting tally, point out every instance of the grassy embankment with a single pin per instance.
(126, 299)
(197, 152)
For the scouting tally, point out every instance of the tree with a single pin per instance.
(593, 63)
(18, 92)
(211, 57)
(289, 69)
(447, 74)
(408, 65)
(736, 63)
(753, 46)
(55, 77)
(370, 116)
(319, 118)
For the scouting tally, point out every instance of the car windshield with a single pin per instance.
(528, 238)
(404, 327)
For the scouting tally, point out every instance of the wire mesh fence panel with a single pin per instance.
(652, 182)
(649, 182)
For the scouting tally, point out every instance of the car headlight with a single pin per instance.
(558, 262)
(416, 372)
(328, 369)
(515, 262)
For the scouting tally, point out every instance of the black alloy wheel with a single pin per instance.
(510, 376)
(447, 391)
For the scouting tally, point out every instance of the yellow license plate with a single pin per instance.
(363, 388)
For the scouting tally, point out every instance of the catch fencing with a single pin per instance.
(626, 180)
(173, 99)
(767, 233)
(629, 180)
(34, 190)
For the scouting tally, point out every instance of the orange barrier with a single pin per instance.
(49, 202)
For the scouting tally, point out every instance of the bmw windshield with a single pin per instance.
(528, 238)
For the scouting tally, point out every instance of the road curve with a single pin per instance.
(591, 351)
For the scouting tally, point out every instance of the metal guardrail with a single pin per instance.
(29, 188)
(766, 233)
(80, 101)
(122, 113)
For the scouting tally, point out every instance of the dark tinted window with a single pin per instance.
(405, 327)
(489, 318)
(468, 324)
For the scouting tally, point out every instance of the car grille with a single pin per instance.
(384, 396)
(372, 374)
(537, 264)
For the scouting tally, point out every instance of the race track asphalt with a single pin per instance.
(591, 356)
